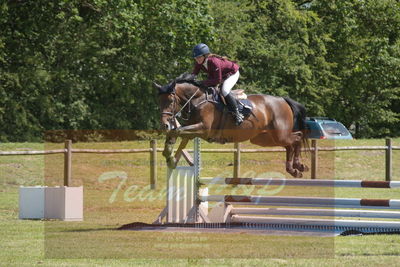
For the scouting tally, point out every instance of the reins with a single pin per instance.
(179, 113)
(174, 115)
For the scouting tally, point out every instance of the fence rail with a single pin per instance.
(237, 150)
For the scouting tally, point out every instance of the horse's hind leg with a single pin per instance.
(290, 150)
(298, 136)
(296, 159)
(285, 139)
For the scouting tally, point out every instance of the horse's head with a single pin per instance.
(168, 105)
(171, 97)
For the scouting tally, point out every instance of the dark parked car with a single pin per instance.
(326, 128)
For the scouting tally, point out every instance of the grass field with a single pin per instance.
(111, 201)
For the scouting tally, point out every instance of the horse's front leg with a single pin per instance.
(186, 132)
(168, 150)
(191, 130)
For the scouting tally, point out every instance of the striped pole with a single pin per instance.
(305, 201)
(300, 182)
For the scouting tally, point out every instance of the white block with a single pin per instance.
(204, 205)
(63, 203)
(73, 204)
(31, 202)
(220, 213)
(54, 203)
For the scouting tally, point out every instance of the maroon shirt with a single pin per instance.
(218, 70)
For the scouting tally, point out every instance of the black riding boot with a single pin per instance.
(233, 106)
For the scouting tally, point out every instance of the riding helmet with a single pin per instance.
(200, 50)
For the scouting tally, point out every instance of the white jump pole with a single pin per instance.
(300, 182)
(317, 212)
(305, 201)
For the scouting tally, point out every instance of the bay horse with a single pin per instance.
(274, 121)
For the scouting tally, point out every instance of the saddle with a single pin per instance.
(245, 106)
(239, 94)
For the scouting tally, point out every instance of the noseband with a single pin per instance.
(172, 119)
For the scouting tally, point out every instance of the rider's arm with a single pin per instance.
(196, 69)
(214, 71)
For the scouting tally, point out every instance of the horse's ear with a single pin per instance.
(157, 86)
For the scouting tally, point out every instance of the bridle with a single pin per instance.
(178, 114)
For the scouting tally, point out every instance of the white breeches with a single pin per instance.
(229, 83)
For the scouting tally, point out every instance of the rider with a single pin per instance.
(219, 70)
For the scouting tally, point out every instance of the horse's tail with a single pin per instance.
(299, 119)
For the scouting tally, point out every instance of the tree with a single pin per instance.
(90, 64)
(364, 47)
(285, 53)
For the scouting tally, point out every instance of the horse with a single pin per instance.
(273, 121)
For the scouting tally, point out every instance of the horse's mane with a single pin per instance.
(183, 78)
(186, 78)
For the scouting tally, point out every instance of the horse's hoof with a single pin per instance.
(301, 167)
(171, 163)
(297, 174)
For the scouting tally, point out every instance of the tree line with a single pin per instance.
(90, 64)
